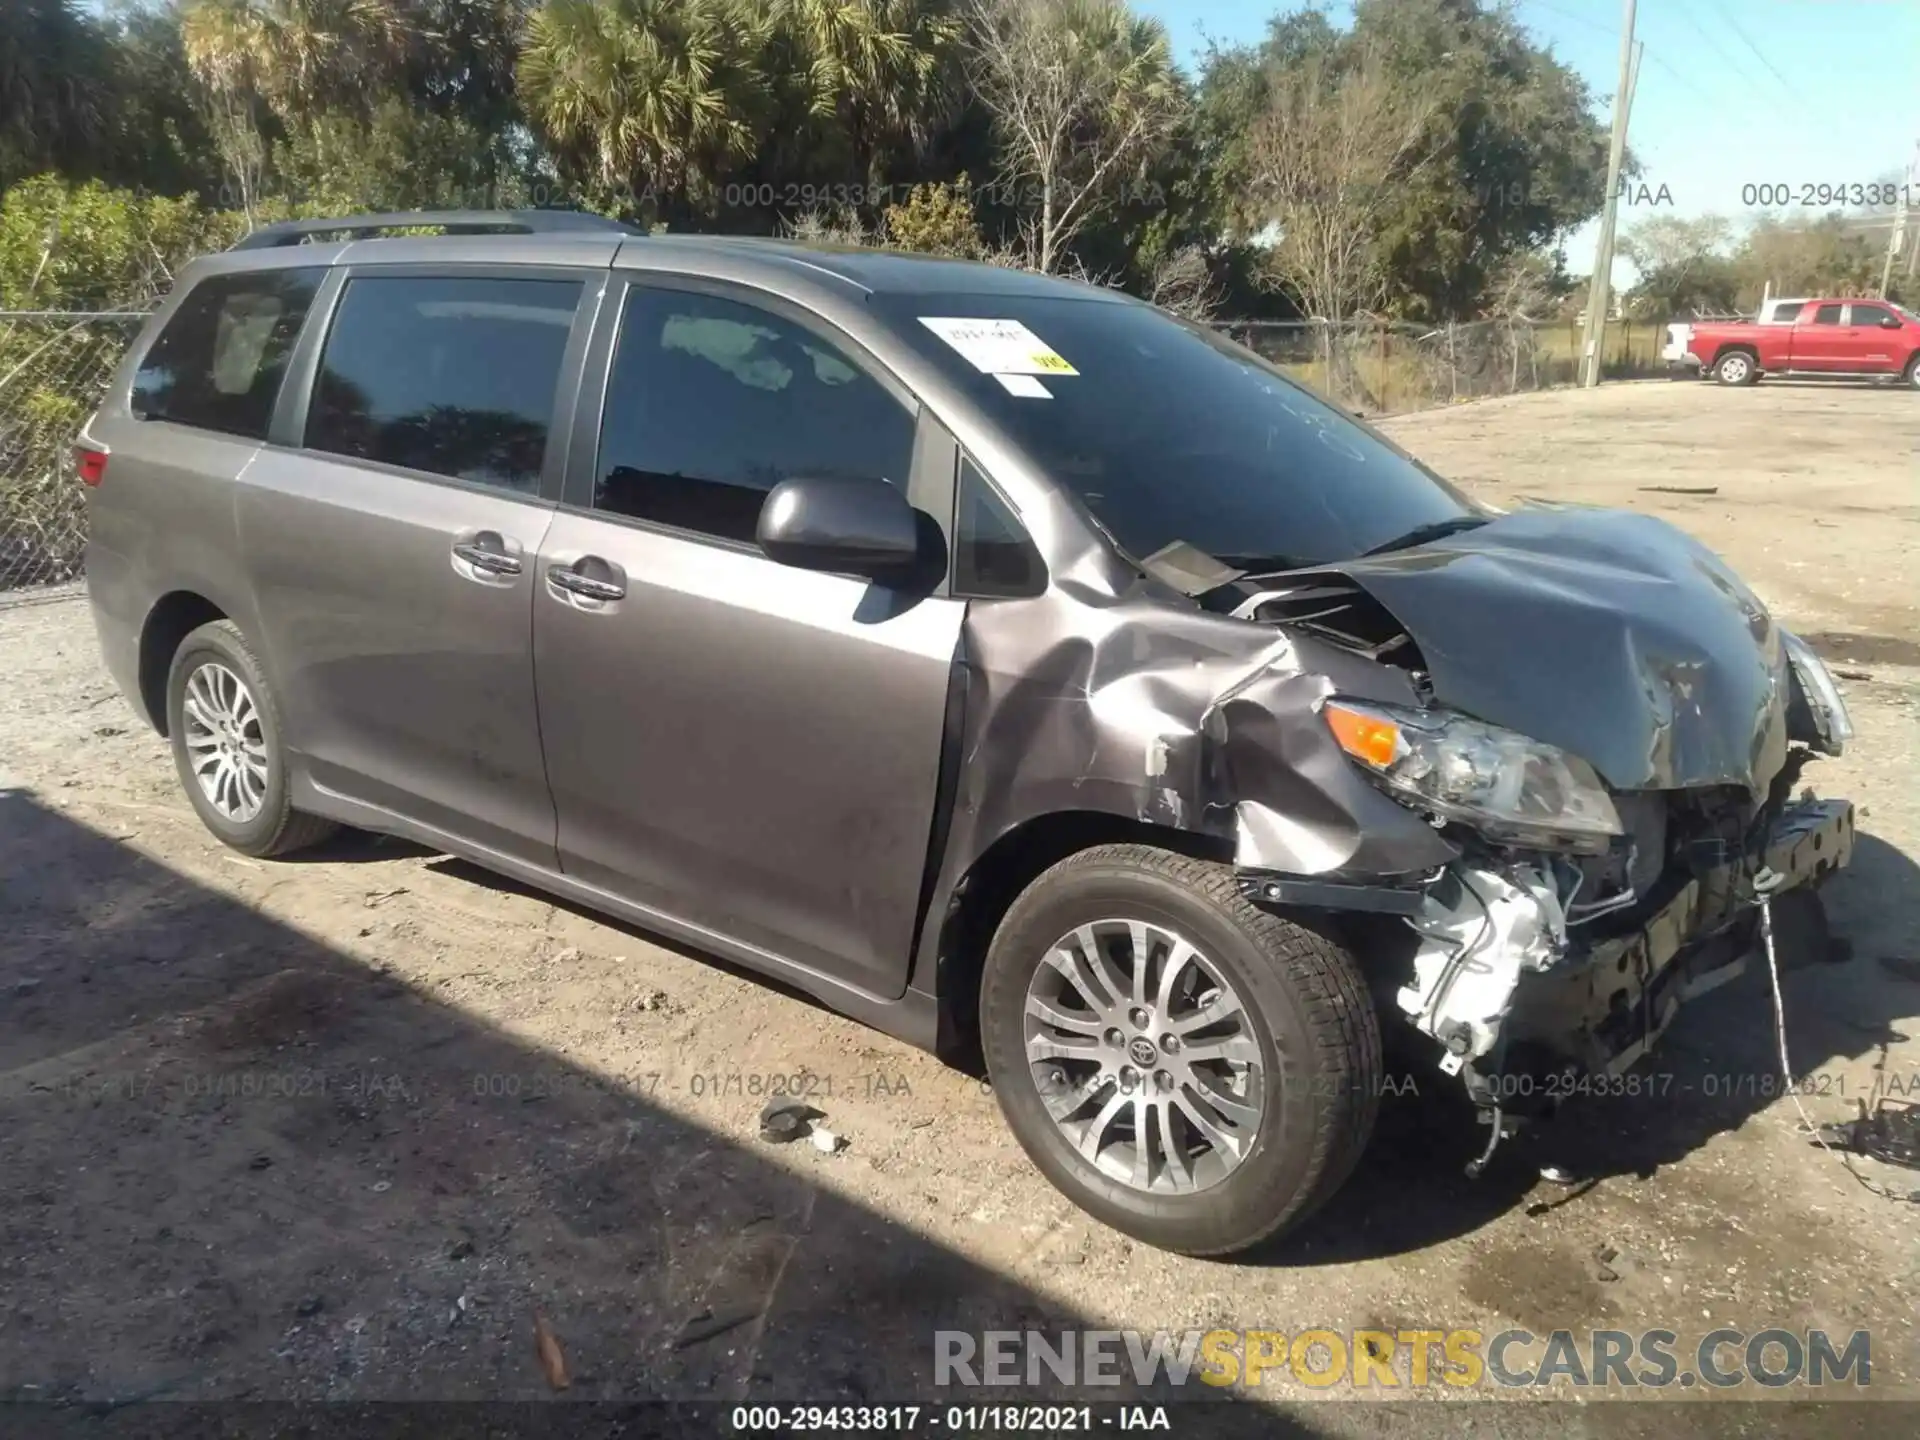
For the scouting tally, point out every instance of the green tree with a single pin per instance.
(53, 97)
(1683, 265)
(876, 77)
(1513, 157)
(648, 100)
(937, 219)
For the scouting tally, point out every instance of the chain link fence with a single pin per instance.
(54, 367)
(1382, 368)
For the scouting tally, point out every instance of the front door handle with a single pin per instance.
(488, 552)
(574, 580)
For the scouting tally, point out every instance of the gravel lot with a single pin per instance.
(340, 1128)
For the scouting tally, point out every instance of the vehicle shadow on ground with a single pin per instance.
(241, 1164)
(1716, 1068)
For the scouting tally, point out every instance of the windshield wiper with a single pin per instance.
(1433, 530)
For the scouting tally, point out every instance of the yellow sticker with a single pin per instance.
(999, 347)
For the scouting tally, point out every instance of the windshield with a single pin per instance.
(1169, 433)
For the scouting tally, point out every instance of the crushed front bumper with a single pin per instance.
(1604, 1007)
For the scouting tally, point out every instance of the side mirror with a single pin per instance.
(845, 526)
(1890, 322)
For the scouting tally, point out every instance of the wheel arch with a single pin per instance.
(994, 880)
(1736, 347)
(174, 616)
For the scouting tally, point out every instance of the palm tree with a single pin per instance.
(664, 92)
(884, 69)
(298, 55)
(52, 64)
(295, 58)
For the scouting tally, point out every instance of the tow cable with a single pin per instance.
(1857, 1133)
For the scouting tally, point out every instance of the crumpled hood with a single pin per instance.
(1613, 635)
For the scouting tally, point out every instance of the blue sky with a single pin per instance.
(1731, 92)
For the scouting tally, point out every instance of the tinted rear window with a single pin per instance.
(219, 361)
(456, 377)
(1168, 432)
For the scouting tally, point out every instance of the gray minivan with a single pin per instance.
(1003, 661)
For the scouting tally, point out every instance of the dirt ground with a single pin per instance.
(340, 1128)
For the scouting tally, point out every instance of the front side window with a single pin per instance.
(712, 402)
(451, 376)
(218, 363)
(1827, 315)
(1170, 434)
(1870, 315)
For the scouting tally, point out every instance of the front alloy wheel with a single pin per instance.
(1145, 1055)
(1194, 1071)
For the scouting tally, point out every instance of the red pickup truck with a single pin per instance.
(1801, 337)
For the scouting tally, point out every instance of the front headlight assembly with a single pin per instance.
(1829, 712)
(1512, 789)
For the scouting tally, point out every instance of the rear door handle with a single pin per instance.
(489, 552)
(575, 581)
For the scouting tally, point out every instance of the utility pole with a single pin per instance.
(1897, 242)
(1600, 288)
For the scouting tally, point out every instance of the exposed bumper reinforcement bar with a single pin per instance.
(1604, 1010)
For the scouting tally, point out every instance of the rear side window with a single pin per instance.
(451, 376)
(218, 362)
(1827, 315)
(1789, 311)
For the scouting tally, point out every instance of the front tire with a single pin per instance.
(224, 725)
(1133, 990)
(1736, 367)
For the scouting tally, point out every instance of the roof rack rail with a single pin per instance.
(454, 222)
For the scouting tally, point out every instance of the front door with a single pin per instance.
(1871, 331)
(742, 746)
(391, 550)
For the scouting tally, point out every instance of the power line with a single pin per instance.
(1692, 82)
(1715, 46)
(1734, 25)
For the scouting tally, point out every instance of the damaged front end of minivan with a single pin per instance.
(1615, 731)
(1535, 769)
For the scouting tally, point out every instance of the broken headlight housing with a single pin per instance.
(1512, 789)
(1829, 711)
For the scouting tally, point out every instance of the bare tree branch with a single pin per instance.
(1329, 156)
(1081, 91)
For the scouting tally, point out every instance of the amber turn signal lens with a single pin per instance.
(1365, 737)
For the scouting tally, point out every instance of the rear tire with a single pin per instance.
(1910, 377)
(224, 725)
(1292, 1122)
(1736, 367)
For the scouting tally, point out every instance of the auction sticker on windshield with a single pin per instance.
(999, 347)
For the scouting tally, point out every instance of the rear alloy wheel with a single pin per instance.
(1911, 376)
(224, 726)
(1736, 367)
(1188, 1068)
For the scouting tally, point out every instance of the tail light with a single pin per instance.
(91, 463)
